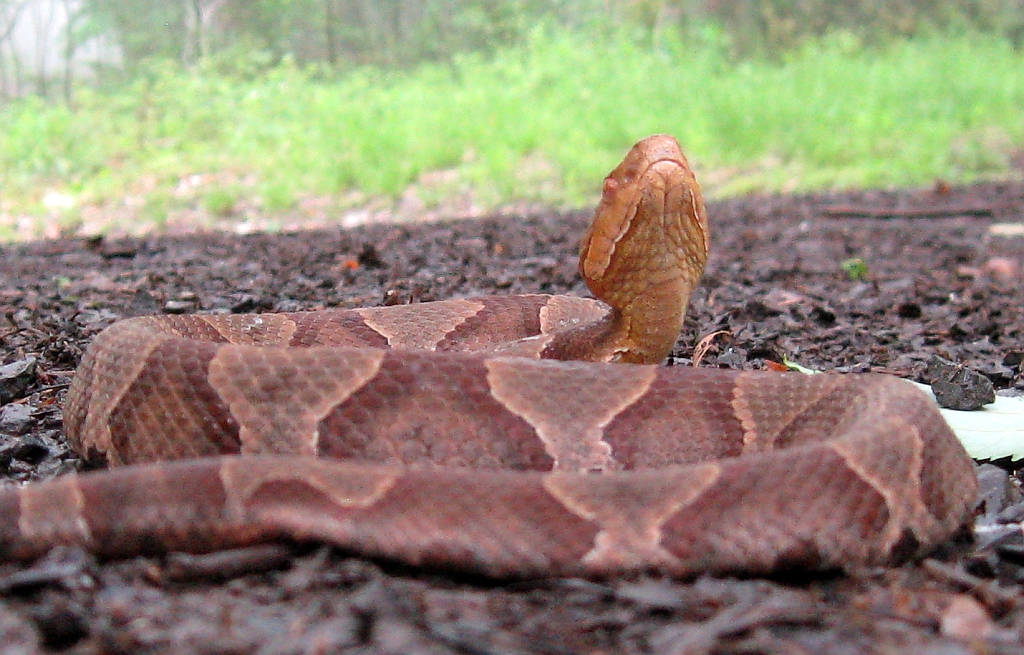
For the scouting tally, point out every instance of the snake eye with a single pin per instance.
(610, 185)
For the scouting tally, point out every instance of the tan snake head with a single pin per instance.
(646, 248)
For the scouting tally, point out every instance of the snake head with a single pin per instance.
(651, 204)
(647, 245)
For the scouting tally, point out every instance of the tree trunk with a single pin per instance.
(189, 45)
(329, 32)
(42, 18)
(69, 51)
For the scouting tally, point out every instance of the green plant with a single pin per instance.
(158, 206)
(277, 196)
(855, 268)
(221, 201)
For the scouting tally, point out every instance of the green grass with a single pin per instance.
(221, 201)
(545, 122)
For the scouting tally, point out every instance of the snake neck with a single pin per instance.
(646, 329)
(642, 332)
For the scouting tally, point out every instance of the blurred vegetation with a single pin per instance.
(406, 32)
(272, 103)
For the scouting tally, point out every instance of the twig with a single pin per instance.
(51, 387)
(849, 211)
(988, 592)
(704, 345)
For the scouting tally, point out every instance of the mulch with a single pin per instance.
(852, 282)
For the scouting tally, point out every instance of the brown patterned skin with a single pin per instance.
(424, 434)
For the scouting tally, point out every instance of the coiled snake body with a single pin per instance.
(492, 434)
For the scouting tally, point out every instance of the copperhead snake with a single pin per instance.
(493, 435)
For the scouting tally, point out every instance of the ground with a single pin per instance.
(865, 281)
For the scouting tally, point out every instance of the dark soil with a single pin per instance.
(788, 279)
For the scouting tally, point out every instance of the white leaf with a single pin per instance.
(996, 430)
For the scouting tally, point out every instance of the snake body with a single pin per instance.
(508, 436)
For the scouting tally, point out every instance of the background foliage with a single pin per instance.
(224, 110)
(404, 32)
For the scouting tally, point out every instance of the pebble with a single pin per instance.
(15, 418)
(15, 378)
(958, 387)
(177, 306)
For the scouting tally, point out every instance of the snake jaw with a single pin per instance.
(612, 220)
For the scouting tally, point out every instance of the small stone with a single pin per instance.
(15, 418)
(780, 300)
(954, 396)
(958, 387)
(245, 303)
(966, 619)
(177, 307)
(1002, 268)
(143, 303)
(60, 626)
(369, 257)
(118, 250)
(652, 594)
(995, 490)
(31, 449)
(15, 379)
(909, 310)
